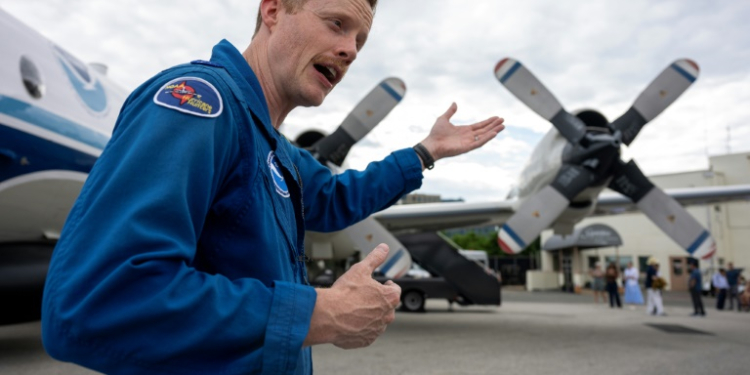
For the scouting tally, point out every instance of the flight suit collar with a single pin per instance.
(226, 55)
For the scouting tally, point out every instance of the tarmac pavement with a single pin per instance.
(531, 333)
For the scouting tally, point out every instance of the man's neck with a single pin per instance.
(278, 106)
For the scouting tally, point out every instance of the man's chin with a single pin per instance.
(313, 100)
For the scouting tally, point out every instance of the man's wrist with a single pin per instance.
(428, 161)
(322, 322)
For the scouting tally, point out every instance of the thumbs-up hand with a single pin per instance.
(356, 309)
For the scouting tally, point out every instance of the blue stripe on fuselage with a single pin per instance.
(40, 155)
(47, 120)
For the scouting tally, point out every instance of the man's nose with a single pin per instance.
(347, 50)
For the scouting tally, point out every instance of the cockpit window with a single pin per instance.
(32, 78)
(513, 193)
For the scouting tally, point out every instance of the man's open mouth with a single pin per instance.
(329, 72)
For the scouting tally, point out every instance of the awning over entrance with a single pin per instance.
(594, 235)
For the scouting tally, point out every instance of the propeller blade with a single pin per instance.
(368, 233)
(657, 96)
(663, 210)
(539, 211)
(528, 89)
(363, 118)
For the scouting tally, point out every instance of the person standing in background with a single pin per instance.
(745, 298)
(721, 285)
(733, 275)
(597, 283)
(611, 276)
(695, 288)
(633, 294)
(654, 304)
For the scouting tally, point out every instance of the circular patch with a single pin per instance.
(276, 175)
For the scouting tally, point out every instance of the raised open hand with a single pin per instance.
(446, 140)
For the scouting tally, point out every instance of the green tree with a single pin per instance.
(488, 243)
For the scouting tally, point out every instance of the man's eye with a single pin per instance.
(337, 23)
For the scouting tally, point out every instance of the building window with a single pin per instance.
(624, 260)
(677, 267)
(642, 264)
(556, 261)
(592, 262)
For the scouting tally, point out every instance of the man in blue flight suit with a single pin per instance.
(185, 250)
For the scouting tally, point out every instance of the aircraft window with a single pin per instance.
(32, 78)
(513, 194)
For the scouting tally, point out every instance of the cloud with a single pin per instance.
(591, 54)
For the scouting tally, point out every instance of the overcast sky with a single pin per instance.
(590, 53)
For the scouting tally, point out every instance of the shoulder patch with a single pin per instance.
(191, 95)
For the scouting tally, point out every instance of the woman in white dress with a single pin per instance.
(633, 294)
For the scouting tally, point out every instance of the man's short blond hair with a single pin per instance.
(292, 6)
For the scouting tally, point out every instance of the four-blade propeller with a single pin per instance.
(593, 159)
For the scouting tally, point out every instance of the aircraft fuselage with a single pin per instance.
(56, 116)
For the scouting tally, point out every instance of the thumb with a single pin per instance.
(451, 111)
(375, 258)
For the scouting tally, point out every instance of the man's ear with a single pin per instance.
(269, 11)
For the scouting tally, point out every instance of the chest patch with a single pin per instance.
(276, 175)
(191, 95)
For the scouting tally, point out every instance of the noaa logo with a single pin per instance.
(90, 91)
(276, 176)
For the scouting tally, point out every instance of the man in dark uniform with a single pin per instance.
(185, 250)
(695, 285)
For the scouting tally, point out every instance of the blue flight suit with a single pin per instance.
(184, 253)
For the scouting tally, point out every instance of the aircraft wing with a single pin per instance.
(612, 203)
(438, 216)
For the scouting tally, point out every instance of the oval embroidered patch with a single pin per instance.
(278, 178)
(191, 95)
